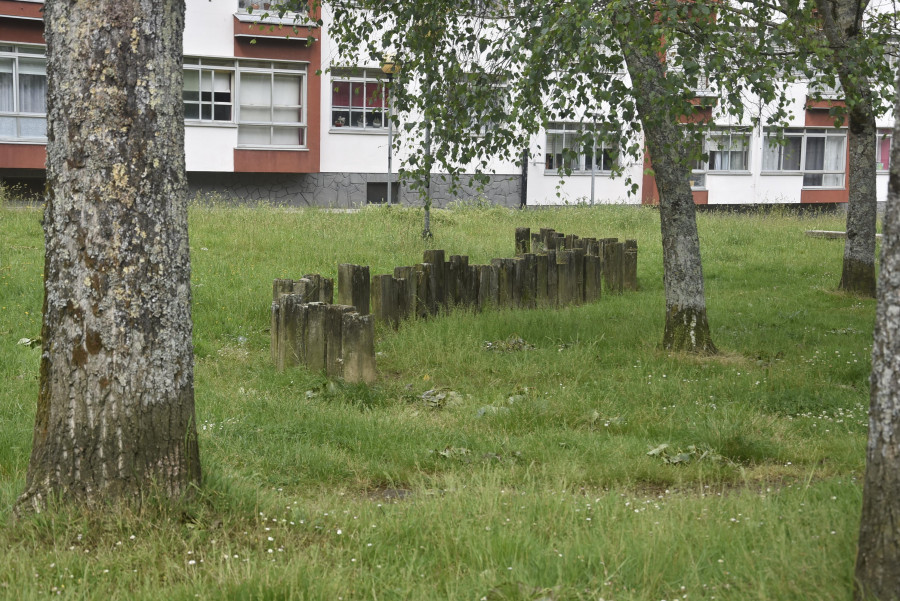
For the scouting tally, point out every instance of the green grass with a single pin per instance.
(535, 482)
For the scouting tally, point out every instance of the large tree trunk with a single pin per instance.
(842, 26)
(115, 415)
(878, 557)
(687, 328)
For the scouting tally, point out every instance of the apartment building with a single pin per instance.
(268, 120)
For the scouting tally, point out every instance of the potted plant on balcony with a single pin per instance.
(340, 121)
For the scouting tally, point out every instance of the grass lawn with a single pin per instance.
(534, 482)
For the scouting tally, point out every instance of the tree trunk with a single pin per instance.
(842, 26)
(115, 415)
(878, 557)
(687, 328)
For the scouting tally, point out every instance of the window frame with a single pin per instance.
(290, 69)
(202, 66)
(884, 138)
(806, 134)
(15, 52)
(574, 129)
(701, 169)
(364, 76)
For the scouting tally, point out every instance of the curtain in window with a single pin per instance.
(6, 85)
(33, 86)
(834, 161)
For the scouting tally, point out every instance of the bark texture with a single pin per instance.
(878, 557)
(687, 328)
(842, 25)
(115, 415)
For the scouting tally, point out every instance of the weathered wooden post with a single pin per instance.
(540, 282)
(438, 280)
(547, 234)
(564, 287)
(292, 327)
(274, 333)
(384, 299)
(424, 297)
(552, 278)
(358, 348)
(457, 281)
(528, 280)
(320, 289)
(334, 324)
(354, 287)
(488, 291)
(592, 278)
(629, 265)
(472, 287)
(315, 347)
(407, 292)
(537, 246)
(612, 267)
(577, 273)
(281, 287)
(523, 241)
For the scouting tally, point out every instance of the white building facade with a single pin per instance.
(268, 121)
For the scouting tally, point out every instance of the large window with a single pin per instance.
(271, 110)
(567, 148)
(23, 93)
(818, 154)
(726, 151)
(208, 85)
(358, 99)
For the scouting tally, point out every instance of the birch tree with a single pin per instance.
(115, 410)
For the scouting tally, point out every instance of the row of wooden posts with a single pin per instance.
(565, 270)
(309, 329)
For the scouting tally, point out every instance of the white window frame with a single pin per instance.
(805, 135)
(566, 129)
(16, 52)
(703, 168)
(365, 77)
(276, 68)
(216, 67)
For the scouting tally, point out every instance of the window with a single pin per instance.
(23, 93)
(208, 91)
(271, 111)
(358, 99)
(566, 148)
(818, 154)
(726, 150)
(883, 150)
(263, 5)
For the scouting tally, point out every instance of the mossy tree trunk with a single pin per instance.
(842, 24)
(686, 327)
(115, 415)
(878, 556)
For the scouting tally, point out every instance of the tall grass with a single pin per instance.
(533, 481)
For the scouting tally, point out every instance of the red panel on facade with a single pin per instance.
(817, 196)
(819, 117)
(31, 10)
(275, 161)
(701, 197)
(23, 156)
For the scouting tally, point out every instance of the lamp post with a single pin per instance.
(389, 66)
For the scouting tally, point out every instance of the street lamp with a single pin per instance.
(390, 66)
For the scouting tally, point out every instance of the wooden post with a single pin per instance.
(612, 267)
(552, 278)
(577, 273)
(506, 276)
(354, 287)
(560, 243)
(488, 292)
(424, 298)
(537, 246)
(472, 287)
(592, 276)
(629, 265)
(334, 320)
(274, 339)
(384, 299)
(563, 293)
(540, 282)
(571, 242)
(529, 280)
(322, 289)
(315, 347)
(523, 241)
(407, 293)
(281, 287)
(517, 270)
(438, 280)
(358, 348)
(292, 327)
(457, 281)
(548, 234)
